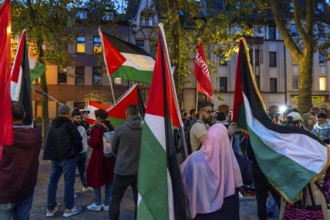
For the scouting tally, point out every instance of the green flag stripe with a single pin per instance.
(130, 73)
(116, 121)
(280, 169)
(152, 183)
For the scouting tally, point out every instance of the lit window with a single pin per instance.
(97, 45)
(97, 75)
(117, 81)
(81, 45)
(295, 83)
(80, 76)
(323, 83)
(150, 21)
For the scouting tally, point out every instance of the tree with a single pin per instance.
(303, 15)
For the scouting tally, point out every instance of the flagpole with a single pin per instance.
(161, 28)
(106, 65)
(46, 94)
(196, 96)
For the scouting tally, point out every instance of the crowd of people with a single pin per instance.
(220, 162)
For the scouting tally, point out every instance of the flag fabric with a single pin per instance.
(117, 113)
(202, 74)
(126, 60)
(37, 69)
(91, 107)
(20, 80)
(290, 157)
(6, 122)
(161, 192)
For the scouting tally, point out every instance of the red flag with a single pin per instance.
(6, 123)
(91, 107)
(202, 74)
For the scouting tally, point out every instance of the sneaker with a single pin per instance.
(87, 189)
(70, 212)
(94, 207)
(240, 195)
(105, 207)
(51, 213)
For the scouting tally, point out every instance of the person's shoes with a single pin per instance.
(87, 189)
(51, 213)
(94, 207)
(105, 207)
(240, 195)
(70, 212)
(75, 195)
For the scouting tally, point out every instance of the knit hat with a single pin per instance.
(63, 109)
(75, 112)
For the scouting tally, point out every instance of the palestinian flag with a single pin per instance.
(6, 122)
(117, 113)
(161, 192)
(126, 60)
(290, 157)
(91, 107)
(20, 79)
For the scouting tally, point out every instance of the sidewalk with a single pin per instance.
(247, 205)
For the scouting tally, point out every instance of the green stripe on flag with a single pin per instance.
(130, 73)
(280, 169)
(116, 121)
(152, 181)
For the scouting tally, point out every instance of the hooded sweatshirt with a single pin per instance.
(19, 165)
(126, 146)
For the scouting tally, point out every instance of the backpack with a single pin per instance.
(107, 138)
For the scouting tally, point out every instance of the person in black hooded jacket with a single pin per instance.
(63, 144)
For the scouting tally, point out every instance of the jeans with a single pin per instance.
(68, 168)
(120, 184)
(81, 165)
(17, 211)
(107, 194)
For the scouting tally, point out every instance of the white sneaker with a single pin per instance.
(94, 207)
(51, 213)
(70, 212)
(240, 196)
(105, 207)
(87, 189)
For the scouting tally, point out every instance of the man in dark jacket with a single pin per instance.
(63, 144)
(19, 169)
(126, 147)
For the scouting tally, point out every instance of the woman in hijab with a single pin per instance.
(211, 176)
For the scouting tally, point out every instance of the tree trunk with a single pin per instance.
(43, 84)
(305, 82)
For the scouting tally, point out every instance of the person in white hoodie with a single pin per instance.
(82, 156)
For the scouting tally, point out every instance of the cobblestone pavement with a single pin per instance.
(247, 204)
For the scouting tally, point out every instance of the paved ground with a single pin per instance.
(247, 205)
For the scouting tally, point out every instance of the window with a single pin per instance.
(81, 45)
(323, 83)
(223, 84)
(321, 57)
(79, 105)
(82, 15)
(295, 83)
(97, 75)
(272, 32)
(257, 58)
(150, 21)
(80, 76)
(117, 81)
(97, 49)
(272, 59)
(140, 43)
(107, 16)
(61, 78)
(272, 85)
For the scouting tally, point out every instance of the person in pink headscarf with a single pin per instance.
(211, 176)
